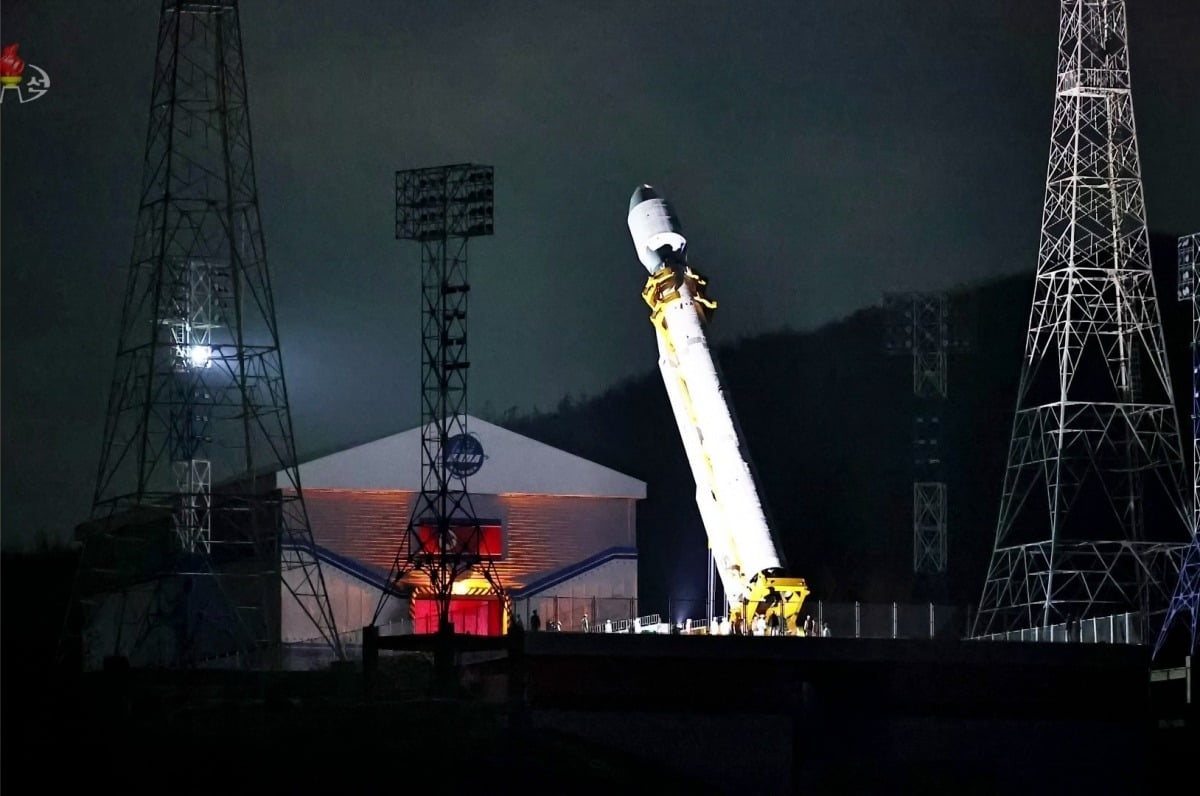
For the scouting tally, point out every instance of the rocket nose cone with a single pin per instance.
(642, 194)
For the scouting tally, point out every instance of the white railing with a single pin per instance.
(639, 624)
(1114, 629)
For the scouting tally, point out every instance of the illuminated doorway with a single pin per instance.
(476, 616)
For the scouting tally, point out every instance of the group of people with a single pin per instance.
(535, 623)
(811, 627)
(765, 623)
(769, 623)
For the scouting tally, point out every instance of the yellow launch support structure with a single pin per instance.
(752, 592)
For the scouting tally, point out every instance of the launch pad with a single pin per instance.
(775, 715)
(839, 715)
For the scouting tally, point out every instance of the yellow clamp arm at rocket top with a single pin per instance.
(662, 288)
(698, 293)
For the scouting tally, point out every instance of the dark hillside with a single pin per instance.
(828, 420)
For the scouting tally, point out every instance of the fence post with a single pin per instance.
(370, 658)
(894, 619)
(857, 625)
(931, 620)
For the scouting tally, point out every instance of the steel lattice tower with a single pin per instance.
(921, 326)
(442, 208)
(191, 538)
(1185, 604)
(1091, 521)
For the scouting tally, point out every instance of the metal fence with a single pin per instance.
(579, 614)
(1114, 629)
(889, 620)
(929, 621)
(844, 620)
(651, 623)
(398, 627)
(858, 620)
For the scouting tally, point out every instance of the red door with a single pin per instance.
(477, 616)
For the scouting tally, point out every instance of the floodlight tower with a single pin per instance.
(198, 521)
(1185, 604)
(442, 208)
(922, 326)
(1091, 520)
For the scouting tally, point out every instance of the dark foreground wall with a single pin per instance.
(611, 714)
(791, 715)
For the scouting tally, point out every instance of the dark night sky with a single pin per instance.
(818, 154)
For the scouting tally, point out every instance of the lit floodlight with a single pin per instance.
(199, 356)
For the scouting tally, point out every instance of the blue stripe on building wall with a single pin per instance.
(566, 573)
(351, 567)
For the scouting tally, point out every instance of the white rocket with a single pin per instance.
(741, 540)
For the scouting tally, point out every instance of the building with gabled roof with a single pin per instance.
(565, 529)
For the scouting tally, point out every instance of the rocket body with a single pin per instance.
(726, 494)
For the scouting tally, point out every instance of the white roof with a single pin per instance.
(512, 464)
